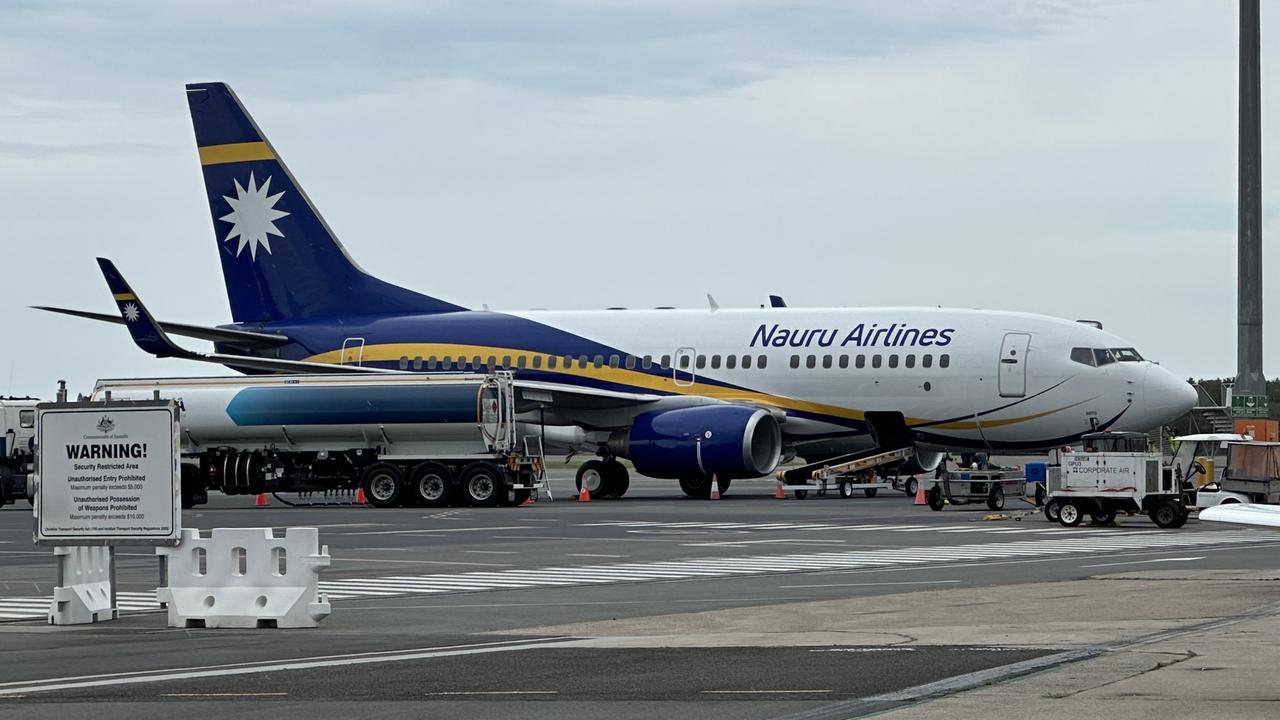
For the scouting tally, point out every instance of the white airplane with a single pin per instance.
(683, 394)
(1267, 516)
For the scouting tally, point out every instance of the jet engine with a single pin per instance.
(728, 441)
(922, 462)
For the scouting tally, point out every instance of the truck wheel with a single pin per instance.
(935, 498)
(482, 484)
(1165, 514)
(802, 494)
(381, 482)
(594, 476)
(870, 492)
(1069, 515)
(1182, 520)
(1102, 517)
(846, 489)
(1051, 510)
(429, 484)
(995, 500)
(910, 487)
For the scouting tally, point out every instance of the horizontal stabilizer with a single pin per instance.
(239, 337)
(1266, 516)
(149, 336)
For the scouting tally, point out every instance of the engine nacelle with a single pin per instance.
(922, 462)
(728, 441)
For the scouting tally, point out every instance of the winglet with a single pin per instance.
(144, 329)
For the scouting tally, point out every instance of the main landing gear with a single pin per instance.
(699, 486)
(606, 478)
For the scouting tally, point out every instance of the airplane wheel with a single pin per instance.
(696, 487)
(381, 482)
(1069, 515)
(995, 500)
(617, 479)
(482, 484)
(429, 484)
(594, 476)
(934, 497)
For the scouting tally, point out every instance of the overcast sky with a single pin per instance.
(1072, 159)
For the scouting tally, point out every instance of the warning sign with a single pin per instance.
(107, 473)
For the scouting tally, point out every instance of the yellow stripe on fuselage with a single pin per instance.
(235, 152)
(639, 381)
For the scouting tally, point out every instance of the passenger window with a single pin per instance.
(666, 362)
(1083, 355)
(926, 361)
(568, 362)
(911, 361)
(762, 361)
(520, 362)
(860, 362)
(551, 361)
(506, 361)
(702, 361)
(404, 362)
(537, 362)
(446, 363)
(811, 362)
(631, 362)
(844, 361)
(746, 362)
(826, 362)
(433, 362)
(684, 362)
(944, 361)
(875, 361)
(613, 361)
(493, 362)
(730, 361)
(893, 361)
(715, 362)
(475, 362)
(646, 362)
(795, 361)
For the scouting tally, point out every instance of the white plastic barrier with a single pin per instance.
(245, 578)
(83, 594)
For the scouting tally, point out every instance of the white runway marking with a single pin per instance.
(1144, 562)
(690, 568)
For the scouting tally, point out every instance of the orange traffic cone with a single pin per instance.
(528, 500)
(583, 495)
(920, 494)
(715, 488)
(360, 498)
(261, 501)
(778, 492)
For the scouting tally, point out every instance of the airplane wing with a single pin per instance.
(1267, 516)
(240, 337)
(151, 337)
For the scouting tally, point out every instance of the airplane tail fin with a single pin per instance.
(279, 258)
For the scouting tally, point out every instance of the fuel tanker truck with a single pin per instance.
(412, 439)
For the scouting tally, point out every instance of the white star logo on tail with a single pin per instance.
(253, 216)
(131, 312)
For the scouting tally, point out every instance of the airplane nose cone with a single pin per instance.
(1166, 397)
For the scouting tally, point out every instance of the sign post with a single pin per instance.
(106, 474)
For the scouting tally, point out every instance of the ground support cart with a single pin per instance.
(962, 487)
(850, 473)
(1116, 473)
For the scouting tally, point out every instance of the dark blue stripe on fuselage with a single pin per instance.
(312, 405)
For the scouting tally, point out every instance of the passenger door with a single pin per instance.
(353, 351)
(1013, 365)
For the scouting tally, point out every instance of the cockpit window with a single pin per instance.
(1103, 356)
(1126, 354)
(1082, 355)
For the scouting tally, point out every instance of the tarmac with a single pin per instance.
(661, 606)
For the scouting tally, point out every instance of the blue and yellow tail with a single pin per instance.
(280, 260)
